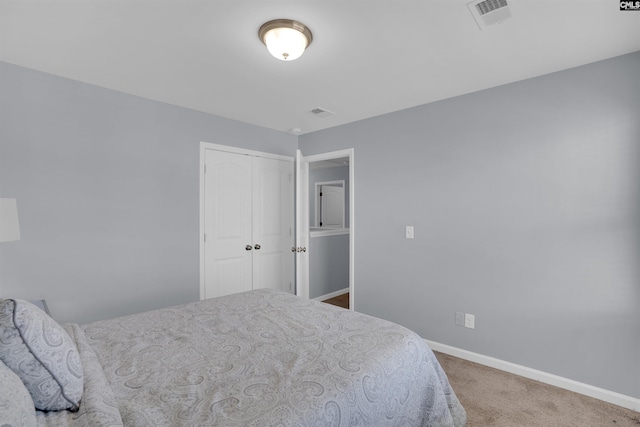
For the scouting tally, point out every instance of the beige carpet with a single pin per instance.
(494, 398)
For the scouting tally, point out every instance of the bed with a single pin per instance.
(259, 358)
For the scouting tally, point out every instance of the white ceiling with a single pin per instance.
(368, 57)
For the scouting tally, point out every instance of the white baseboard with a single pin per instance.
(544, 377)
(331, 295)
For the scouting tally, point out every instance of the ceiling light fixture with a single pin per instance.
(285, 39)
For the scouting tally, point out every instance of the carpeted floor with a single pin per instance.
(494, 398)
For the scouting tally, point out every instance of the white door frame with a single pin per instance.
(302, 285)
(209, 146)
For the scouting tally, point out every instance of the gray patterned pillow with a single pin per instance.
(16, 405)
(43, 355)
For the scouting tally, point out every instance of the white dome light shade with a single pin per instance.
(285, 39)
(286, 44)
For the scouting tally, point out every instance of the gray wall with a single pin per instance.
(525, 201)
(328, 264)
(107, 190)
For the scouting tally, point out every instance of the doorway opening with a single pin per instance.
(325, 225)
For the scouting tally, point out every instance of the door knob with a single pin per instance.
(293, 248)
(248, 247)
(256, 247)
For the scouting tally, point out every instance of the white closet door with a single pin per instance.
(273, 261)
(227, 223)
(302, 225)
(332, 211)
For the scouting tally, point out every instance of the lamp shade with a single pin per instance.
(285, 39)
(9, 226)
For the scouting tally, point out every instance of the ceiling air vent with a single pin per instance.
(489, 12)
(321, 112)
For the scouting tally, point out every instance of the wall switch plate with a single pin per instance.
(459, 318)
(409, 232)
(470, 321)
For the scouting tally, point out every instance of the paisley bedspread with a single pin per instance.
(267, 358)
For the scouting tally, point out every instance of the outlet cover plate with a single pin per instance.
(459, 318)
(469, 321)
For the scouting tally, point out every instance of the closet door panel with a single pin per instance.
(273, 262)
(227, 222)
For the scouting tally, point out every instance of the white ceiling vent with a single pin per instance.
(321, 112)
(489, 12)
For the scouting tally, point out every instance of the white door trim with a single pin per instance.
(336, 155)
(229, 149)
(209, 146)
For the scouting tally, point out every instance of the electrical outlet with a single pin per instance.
(469, 321)
(459, 318)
